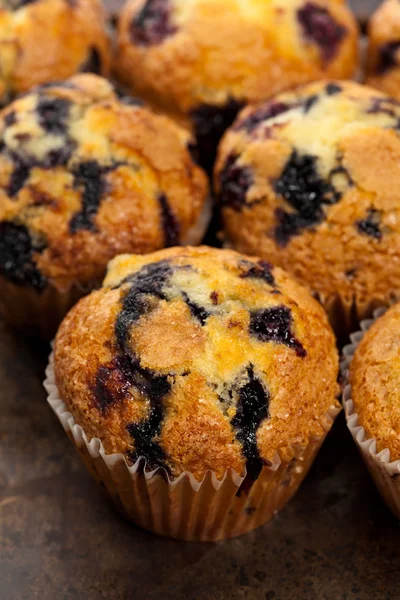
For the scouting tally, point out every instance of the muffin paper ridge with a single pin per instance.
(386, 473)
(184, 508)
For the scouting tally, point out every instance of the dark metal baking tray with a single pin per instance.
(61, 540)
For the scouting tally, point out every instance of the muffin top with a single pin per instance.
(197, 359)
(47, 40)
(191, 53)
(375, 381)
(383, 65)
(85, 176)
(311, 181)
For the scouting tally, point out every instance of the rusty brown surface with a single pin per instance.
(60, 539)
(363, 8)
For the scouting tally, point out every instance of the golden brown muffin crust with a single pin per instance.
(310, 181)
(48, 40)
(198, 359)
(84, 177)
(201, 61)
(211, 52)
(375, 381)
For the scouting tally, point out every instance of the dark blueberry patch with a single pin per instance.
(321, 28)
(387, 57)
(252, 409)
(147, 282)
(302, 187)
(350, 274)
(53, 114)
(152, 25)
(371, 224)
(332, 89)
(269, 111)
(274, 325)
(143, 434)
(235, 181)
(15, 4)
(340, 171)
(40, 198)
(59, 156)
(150, 384)
(387, 106)
(128, 100)
(146, 287)
(113, 382)
(289, 225)
(16, 256)
(10, 119)
(90, 176)
(214, 297)
(309, 103)
(19, 176)
(169, 222)
(261, 270)
(22, 138)
(197, 311)
(23, 164)
(210, 123)
(92, 63)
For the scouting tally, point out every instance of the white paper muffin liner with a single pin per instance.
(385, 473)
(184, 508)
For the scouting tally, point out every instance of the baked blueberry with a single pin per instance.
(235, 181)
(93, 177)
(203, 60)
(321, 28)
(295, 186)
(152, 24)
(370, 225)
(187, 361)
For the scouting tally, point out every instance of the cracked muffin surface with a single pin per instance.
(197, 359)
(85, 176)
(383, 64)
(375, 382)
(203, 60)
(310, 181)
(47, 40)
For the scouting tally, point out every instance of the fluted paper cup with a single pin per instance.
(384, 471)
(208, 510)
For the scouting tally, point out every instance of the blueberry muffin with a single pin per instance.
(47, 40)
(375, 382)
(310, 181)
(85, 176)
(202, 60)
(383, 65)
(372, 403)
(197, 360)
